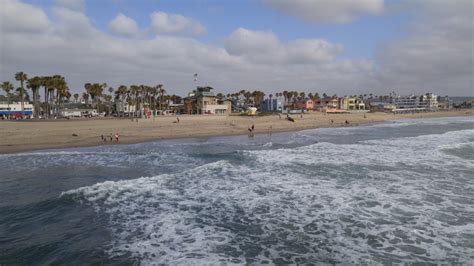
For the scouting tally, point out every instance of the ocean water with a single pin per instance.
(398, 192)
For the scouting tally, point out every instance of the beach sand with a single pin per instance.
(22, 136)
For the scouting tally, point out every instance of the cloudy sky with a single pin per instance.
(333, 46)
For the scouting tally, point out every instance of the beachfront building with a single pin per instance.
(271, 105)
(351, 103)
(13, 110)
(325, 104)
(124, 108)
(444, 103)
(426, 102)
(381, 107)
(204, 101)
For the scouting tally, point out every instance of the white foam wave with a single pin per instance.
(422, 150)
(400, 200)
(222, 213)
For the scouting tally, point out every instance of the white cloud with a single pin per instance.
(328, 11)
(164, 23)
(123, 25)
(264, 47)
(436, 54)
(77, 5)
(19, 17)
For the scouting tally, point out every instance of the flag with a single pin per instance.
(195, 76)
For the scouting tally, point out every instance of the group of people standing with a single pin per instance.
(110, 138)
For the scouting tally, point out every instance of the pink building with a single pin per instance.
(326, 103)
(304, 104)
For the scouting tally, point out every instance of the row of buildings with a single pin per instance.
(396, 103)
(330, 104)
(204, 101)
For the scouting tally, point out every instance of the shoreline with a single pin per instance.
(28, 136)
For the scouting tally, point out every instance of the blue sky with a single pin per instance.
(221, 18)
(333, 46)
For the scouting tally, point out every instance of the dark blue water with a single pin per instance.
(390, 193)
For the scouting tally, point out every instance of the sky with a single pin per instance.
(339, 47)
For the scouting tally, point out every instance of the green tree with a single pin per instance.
(7, 87)
(20, 76)
(34, 84)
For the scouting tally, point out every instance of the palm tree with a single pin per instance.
(34, 84)
(20, 76)
(62, 91)
(45, 84)
(7, 87)
(302, 95)
(85, 97)
(76, 97)
(135, 91)
(122, 93)
(161, 93)
(285, 97)
(95, 91)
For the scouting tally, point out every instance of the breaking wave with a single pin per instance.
(396, 200)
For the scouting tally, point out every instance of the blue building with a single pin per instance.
(13, 110)
(272, 105)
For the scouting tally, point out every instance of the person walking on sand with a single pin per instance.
(117, 137)
(177, 118)
(110, 137)
(102, 137)
(279, 115)
(347, 122)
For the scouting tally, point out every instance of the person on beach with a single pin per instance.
(250, 132)
(270, 130)
(332, 121)
(253, 127)
(117, 137)
(279, 115)
(102, 137)
(177, 118)
(347, 122)
(110, 137)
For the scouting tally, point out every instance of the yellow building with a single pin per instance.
(208, 103)
(351, 103)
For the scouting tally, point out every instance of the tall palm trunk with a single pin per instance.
(45, 101)
(21, 99)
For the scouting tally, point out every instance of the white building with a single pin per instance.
(124, 107)
(13, 110)
(426, 102)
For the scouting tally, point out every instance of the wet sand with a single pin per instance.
(22, 136)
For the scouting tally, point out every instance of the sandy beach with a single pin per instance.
(25, 136)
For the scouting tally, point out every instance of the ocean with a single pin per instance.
(397, 192)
